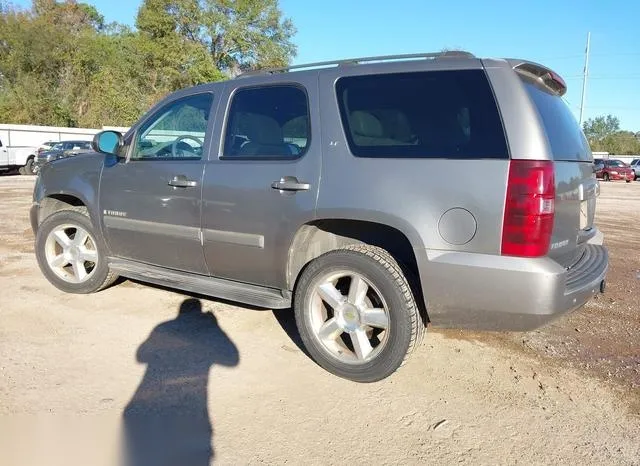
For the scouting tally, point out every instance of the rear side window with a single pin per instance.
(268, 122)
(565, 137)
(436, 114)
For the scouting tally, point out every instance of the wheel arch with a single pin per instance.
(55, 202)
(320, 236)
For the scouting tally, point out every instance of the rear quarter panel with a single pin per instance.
(411, 195)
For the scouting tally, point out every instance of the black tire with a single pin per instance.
(605, 177)
(406, 328)
(28, 168)
(101, 276)
(21, 171)
(628, 181)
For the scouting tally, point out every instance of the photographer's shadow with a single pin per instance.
(167, 421)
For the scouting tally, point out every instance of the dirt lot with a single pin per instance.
(84, 377)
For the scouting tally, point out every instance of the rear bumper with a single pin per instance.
(465, 290)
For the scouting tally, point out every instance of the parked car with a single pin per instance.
(45, 146)
(17, 158)
(328, 190)
(61, 150)
(612, 169)
(635, 165)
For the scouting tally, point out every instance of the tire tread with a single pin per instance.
(409, 313)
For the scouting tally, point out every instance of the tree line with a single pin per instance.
(61, 64)
(604, 135)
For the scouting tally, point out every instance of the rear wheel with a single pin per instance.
(628, 181)
(28, 168)
(605, 177)
(356, 313)
(70, 254)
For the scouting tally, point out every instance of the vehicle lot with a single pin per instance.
(567, 392)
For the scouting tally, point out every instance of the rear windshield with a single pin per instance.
(436, 114)
(563, 131)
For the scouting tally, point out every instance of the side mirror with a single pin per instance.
(107, 142)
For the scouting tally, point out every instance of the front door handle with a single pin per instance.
(290, 183)
(181, 181)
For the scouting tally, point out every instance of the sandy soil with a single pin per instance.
(83, 378)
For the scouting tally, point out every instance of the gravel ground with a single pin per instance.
(84, 379)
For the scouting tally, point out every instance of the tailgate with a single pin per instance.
(576, 189)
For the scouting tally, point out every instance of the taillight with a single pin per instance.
(529, 208)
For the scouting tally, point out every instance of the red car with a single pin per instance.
(613, 170)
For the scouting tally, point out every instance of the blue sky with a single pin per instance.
(552, 32)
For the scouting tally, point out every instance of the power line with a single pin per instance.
(576, 76)
(613, 107)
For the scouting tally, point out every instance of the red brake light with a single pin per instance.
(529, 208)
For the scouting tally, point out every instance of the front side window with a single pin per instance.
(268, 122)
(436, 114)
(177, 131)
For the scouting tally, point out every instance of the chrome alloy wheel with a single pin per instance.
(349, 317)
(71, 253)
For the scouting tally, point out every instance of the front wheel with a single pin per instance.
(356, 313)
(70, 254)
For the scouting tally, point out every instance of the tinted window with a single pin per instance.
(444, 114)
(565, 137)
(268, 122)
(177, 130)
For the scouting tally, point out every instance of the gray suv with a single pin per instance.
(373, 196)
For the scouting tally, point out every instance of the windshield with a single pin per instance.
(617, 163)
(59, 146)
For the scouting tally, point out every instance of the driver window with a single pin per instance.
(176, 131)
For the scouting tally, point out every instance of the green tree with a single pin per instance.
(604, 135)
(236, 34)
(61, 64)
(598, 128)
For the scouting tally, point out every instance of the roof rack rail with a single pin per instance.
(356, 61)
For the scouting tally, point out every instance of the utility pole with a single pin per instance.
(584, 77)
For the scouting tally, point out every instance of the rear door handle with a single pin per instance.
(181, 181)
(290, 183)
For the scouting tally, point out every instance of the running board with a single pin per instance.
(254, 295)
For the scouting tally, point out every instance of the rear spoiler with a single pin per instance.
(544, 75)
